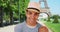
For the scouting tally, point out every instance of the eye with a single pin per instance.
(29, 12)
(36, 13)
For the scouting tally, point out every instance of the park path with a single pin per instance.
(7, 28)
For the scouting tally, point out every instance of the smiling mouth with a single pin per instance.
(32, 19)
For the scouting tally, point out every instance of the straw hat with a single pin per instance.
(35, 6)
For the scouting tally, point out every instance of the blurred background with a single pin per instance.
(12, 12)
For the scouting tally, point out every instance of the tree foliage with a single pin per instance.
(9, 6)
(23, 5)
(55, 19)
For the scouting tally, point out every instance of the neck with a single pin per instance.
(31, 23)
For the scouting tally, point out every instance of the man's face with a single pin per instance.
(31, 15)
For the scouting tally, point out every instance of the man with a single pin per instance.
(32, 14)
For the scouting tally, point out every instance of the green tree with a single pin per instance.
(23, 5)
(1, 16)
(48, 19)
(8, 7)
(55, 19)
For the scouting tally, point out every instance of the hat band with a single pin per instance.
(34, 9)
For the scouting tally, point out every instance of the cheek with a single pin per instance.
(36, 17)
(27, 15)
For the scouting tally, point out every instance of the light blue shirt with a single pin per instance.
(24, 28)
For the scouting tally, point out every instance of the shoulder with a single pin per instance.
(19, 26)
(43, 29)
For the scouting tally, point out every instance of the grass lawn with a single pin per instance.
(53, 26)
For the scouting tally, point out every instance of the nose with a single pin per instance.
(32, 15)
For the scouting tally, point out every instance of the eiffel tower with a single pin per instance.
(46, 9)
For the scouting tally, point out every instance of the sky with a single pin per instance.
(54, 6)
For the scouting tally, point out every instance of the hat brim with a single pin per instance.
(34, 9)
